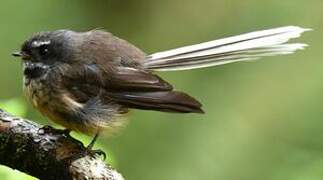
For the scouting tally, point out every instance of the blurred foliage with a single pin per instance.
(263, 120)
(15, 106)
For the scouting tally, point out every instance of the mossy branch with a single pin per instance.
(47, 153)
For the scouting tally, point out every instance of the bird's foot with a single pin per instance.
(95, 153)
(86, 152)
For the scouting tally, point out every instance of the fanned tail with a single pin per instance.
(243, 47)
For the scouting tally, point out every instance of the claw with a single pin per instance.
(95, 153)
(87, 152)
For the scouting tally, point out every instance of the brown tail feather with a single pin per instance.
(167, 101)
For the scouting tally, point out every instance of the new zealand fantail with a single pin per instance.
(85, 81)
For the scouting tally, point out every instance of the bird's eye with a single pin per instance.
(43, 50)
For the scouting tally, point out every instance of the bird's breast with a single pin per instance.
(46, 96)
(39, 92)
(40, 85)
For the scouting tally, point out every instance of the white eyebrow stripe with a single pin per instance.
(40, 43)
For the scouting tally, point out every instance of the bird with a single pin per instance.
(88, 81)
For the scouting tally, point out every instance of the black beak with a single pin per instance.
(17, 54)
(22, 54)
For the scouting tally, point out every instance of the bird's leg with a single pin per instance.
(92, 152)
(90, 146)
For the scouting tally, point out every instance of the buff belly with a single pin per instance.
(50, 102)
(63, 110)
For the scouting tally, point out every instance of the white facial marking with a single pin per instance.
(40, 43)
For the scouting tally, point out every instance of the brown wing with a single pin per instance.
(143, 90)
(167, 101)
(132, 79)
(130, 87)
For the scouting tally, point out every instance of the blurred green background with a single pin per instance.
(263, 119)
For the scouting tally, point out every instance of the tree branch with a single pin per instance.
(47, 153)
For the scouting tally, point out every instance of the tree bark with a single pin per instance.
(48, 153)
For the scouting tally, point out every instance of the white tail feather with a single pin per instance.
(244, 47)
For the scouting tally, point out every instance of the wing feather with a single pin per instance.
(131, 88)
